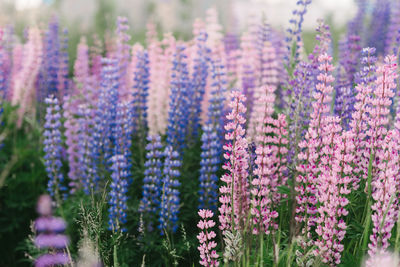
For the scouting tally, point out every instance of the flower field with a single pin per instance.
(222, 149)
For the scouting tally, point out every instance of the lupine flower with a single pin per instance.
(385, 195)
(213, 29)
(344, 97)
(81, 66)
(89, 149)
(50, 235)
(383, 258)
(51, 65)
(63, 80)
(334, 184)
(294, 37)
(306, 180)
(366, 74)
(356, 25)
(247, 71)
(108, 106)
(378, 26)
(160, 65)
(71, 124)
(52, 148)
(234, 196)
(211, 148)
(179, 104)
(208, 256)
(271, 171)
(300, 107)
(24, 79)
(169, 204)
(198, 84)
(393, 29)
(118, 192)
(378, 109)
(140, 93)
(122, 56)
(152, 180)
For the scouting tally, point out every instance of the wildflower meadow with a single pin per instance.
(219, 149)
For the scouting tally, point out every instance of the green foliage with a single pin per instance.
(22, 180)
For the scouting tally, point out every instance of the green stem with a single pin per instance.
(396, 244)
(368, 217)
(115, 257)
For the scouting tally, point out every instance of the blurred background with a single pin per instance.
(98, 17)
(171, 15)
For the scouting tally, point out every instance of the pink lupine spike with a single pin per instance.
(307, 171)
(263, 108)
(334, 184)
(271, 171)
(160, 66)
(385, 195)
(208, 254)
(81, 66)
(378, 111)
(24, 80)
(358, 126)
(95, 58)
(234, 196)
(214, 30)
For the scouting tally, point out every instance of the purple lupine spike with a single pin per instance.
(50, 235)
(71, 124)
(63, 80)
(379, 26)
(345, 95)
(231, 42)
(88, 149)
(299, 108)
(366, 75)
(356, 25)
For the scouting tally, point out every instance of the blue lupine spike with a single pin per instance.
(120, 163)
(140, 92)
(169, 204)
(152, 181)
(179, 102)
(212, 139)
(295, 31)
(118, 192)
(53, 148)
(197, 88)
(89, 150)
